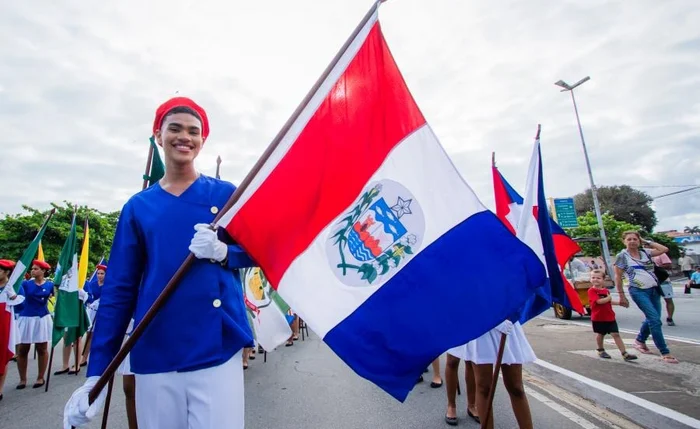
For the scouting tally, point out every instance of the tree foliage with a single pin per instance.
(692, 229)
(588, 228)
(622, 202)
(18, 230)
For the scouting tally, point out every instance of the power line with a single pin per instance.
(656, 186)
(675, 193)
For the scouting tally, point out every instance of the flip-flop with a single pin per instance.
(669, 359)
(452, 421)
(642, 348)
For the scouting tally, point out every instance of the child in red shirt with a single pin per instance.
(603, 316)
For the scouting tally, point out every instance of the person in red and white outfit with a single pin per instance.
(8, 330)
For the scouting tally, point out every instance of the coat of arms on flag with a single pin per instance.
(380, 232)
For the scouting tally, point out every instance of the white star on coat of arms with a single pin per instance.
(402, 207)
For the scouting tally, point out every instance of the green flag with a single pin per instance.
(69, 310)
(25, 261)
(157, 170)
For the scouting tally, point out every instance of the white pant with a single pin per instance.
(210, 398)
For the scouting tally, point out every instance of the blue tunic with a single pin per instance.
(36, 298)
(93, 289)
(204, 323)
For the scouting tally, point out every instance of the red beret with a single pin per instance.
(181, 102)
(7, 264)
(101, 267)
(41, 264)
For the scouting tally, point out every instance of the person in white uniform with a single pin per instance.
(483, 352)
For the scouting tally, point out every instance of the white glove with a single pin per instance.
(78, 412)
(506, 327)
(12, 298)
(82, 295)
(206, 245)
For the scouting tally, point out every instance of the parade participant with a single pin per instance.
(34, 323)
(94, 291)
(8, 330)
(189, 358)
(451, 384)
(603, 316)
(637, 267)
(483, 352)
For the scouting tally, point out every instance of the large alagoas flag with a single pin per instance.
(69, 311)
(363, 225)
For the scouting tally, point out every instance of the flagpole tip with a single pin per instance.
(493, 159)
(539, 129)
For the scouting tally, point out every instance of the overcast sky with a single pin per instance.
(79, 86)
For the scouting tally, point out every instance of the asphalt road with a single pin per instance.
(307, 386)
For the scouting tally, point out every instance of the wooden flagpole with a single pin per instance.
(187, 263)
(494, 381)
(149, 161)
(218, 167)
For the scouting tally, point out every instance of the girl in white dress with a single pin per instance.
(483, 352)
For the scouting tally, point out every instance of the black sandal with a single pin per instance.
(38, 385)
(435, 385)
(63, 371)
(475, 417)
(452, 421)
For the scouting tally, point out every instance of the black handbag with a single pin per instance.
(660, 274)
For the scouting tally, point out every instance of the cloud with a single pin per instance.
(79, 85)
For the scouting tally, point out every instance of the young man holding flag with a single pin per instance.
(190, 356)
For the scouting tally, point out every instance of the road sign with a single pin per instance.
(566, 213)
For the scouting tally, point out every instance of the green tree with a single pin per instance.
(16, 231)
(624, 203)
(674, 250)
(588, 228)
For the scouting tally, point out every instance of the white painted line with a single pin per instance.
(660, 391)
(658, 409)
(626, 331)
(563, 411)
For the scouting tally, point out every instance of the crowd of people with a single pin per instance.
(202, 386)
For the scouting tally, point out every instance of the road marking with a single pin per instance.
(651, 406)
(660, 391)
(572, 400)
(563, 411)
(626, 331)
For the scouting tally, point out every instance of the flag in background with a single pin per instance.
(84, 256)
(363, 225)
(509, 207)
(534, 229)
(40, 254)
(69, 309)
(25, 262)
(266, 315)
(157, 170)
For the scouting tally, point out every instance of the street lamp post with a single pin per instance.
(594, 192)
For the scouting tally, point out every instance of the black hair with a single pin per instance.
(180, 109)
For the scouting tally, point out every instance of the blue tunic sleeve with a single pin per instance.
(237, 257)
(119, 292)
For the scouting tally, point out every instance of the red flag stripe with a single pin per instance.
(323, 173)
